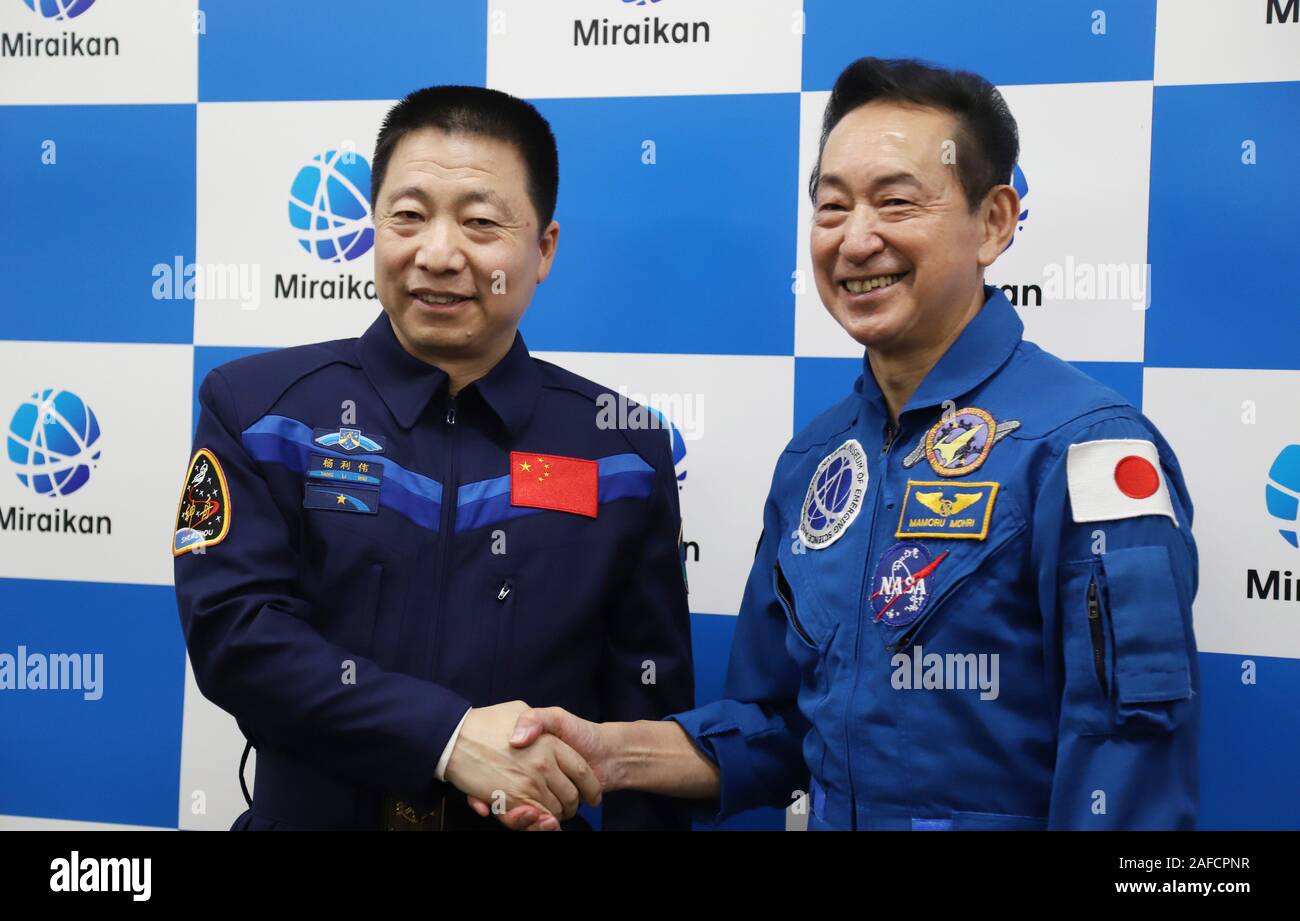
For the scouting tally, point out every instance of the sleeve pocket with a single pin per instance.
(1151, 665)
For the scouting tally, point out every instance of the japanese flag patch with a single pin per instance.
(1117, 478)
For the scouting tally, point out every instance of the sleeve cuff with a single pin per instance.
(441, 770)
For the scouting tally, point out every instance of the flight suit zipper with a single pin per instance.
(1098, 636)
(447, 523)
(892, 432)
(891, 435)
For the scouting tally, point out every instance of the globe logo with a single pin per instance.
(830, 493)
(1021, 185)
(1282, 494)
(53, 442)
(59, 9)
(834, 496)
(329, 206)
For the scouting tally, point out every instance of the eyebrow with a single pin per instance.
(898, 178)
(480, 195)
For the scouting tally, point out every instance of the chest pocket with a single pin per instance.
(812, 621)
(920, 578)
(354, 569)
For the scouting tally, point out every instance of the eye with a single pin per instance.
(482, 222)
(890, 202)
(407, 215)
(830, 206)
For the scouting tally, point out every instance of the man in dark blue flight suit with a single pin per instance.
(971, 604)
(384, 545)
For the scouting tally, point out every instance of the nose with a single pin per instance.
(439, 251)
(861, 238)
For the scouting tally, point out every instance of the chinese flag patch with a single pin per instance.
(562, 484)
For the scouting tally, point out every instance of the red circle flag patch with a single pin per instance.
(1136, 477)
(1115, 478)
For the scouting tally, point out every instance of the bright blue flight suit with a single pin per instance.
(1065, 549)
(349, 587)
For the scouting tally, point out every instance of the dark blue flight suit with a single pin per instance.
(348, 589)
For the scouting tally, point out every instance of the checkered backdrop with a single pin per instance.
(139, 138)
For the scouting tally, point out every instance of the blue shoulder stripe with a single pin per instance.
(281, 440)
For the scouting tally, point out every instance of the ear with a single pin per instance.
(550, 239)
(998, 215)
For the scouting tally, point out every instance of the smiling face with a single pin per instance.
(458, 253)
(897, 254)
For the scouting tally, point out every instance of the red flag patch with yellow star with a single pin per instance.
(561, 484)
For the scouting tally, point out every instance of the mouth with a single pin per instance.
(441, 301)
(871, 285)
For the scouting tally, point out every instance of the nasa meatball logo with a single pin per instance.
(900, 585)
(834, 496)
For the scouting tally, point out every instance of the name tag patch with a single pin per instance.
(346, 470)
(947, 509)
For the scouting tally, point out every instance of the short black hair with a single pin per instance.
(479, 111)
(988, 138)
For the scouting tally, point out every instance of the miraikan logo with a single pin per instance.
(1282, 493)
(59, 9)
(53, 442)
(329, 206)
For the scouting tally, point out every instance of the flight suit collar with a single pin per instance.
(979, 350)
(512, 387)
(407, 384)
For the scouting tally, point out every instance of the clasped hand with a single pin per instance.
(530, 768)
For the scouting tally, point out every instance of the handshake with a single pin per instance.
(532, 767)
(528, 767)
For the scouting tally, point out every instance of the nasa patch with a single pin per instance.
(903, 583)
(203, 516)
(835, 496)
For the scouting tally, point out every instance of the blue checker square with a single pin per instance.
(1010, 42)
(95, 198)
(111, 759)
(1215, 216)
(335, 49)
(820, 383)
(1249, 749)
(1124, 377)
(690, 254)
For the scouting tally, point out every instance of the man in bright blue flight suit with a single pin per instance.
(970, 607)
(385, 544)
